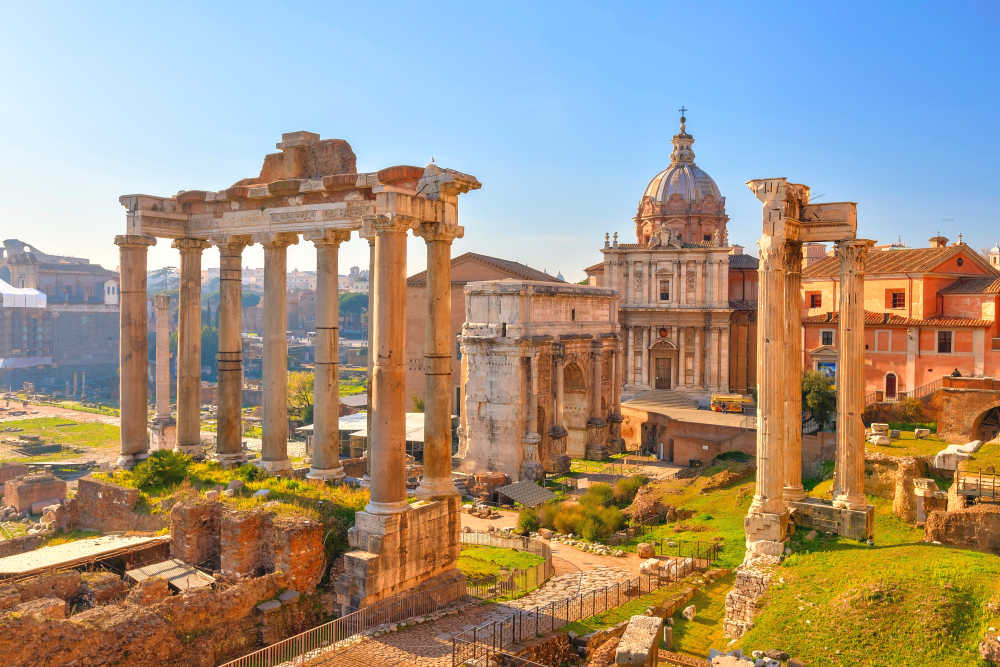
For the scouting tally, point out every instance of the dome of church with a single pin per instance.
(683, 176)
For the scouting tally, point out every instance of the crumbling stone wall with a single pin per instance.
(19, 545)
(194, 530)
(107, 508)
(28, 493)
(10, 470)
(296, 548)
(201, 628)
(976, 527)
(63, 585)
(240, 536)
(555, 649)
(751, 583)
(893, 477)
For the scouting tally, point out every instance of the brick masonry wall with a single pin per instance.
(976, 527)
(194, 529)
(107, 508)
(23, 492)
(240, 549)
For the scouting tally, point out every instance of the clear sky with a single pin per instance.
(564, 111)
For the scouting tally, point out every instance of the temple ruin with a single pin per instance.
(311, 189)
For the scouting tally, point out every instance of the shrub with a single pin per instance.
(597, 495)
(547, 515)
(626, 488)
(527, 520)
(248, 472)
(163, 469)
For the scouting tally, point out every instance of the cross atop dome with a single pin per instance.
(682, 143)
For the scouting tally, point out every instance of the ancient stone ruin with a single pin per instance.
(311, 188)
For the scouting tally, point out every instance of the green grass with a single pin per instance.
(71, 536)
(480, 562)
(907, 445)
(987, 456)
(835, 601)
(81, 435)
(352, 386)
(717, 516)
(704, 632)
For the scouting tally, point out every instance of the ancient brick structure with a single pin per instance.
(976, 527)
(240, 537)
(194, 531)
(105, 507)
(31, 492)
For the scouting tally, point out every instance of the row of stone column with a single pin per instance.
(710, 277)
(386, 391)
(711, 351)
(779, 401)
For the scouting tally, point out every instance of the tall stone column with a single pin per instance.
(682, 287)
(724, 361)
(436, 481)
(274, 415)
(162, 323)
(595, 382)
(229, 440)
(645, 357)
(133, 355)
(681, 356)
(767, 519)
(162, 428)
(792, 458)
(849, 473)
(700, 284)
(629, 370)
(699, 357)
(189, 346)
(326, 387)
(387, 437)
(714, 360)
(531, 466)
(559, 370)
(368, 233)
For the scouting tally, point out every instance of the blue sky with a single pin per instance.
(564, 111)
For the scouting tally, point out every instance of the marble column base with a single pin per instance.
(230, 460)
(792, 494)
(847, 502)
(386, 508)
(194, 451)
(326, 474)
(436, 488)
(278, 466)
(766, 533)
(129, 460)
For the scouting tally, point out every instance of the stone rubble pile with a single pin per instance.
(590, 547)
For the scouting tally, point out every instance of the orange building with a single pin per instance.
(928, 312)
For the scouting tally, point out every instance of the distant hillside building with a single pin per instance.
(928, 312)
(470, 267)
(69, 343)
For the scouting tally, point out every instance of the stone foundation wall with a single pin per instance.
(27, 493)
(396, 552)
(976, 527)
(555, 649)
(10, 470)
(194, 529)
(295, 547)
(199, 628)
(741, 602)
(240, 537)
(107, 508)
(19, 545)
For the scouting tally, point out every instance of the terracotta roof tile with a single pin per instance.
(890, 320)
(743, 262)
(516, 269)
(903, 260)
(595, 267)
(978, 285)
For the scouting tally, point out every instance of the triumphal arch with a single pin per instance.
(310, 190)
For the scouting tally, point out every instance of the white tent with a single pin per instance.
(20, 297)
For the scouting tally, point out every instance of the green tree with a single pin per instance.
(819, 397)
(210, 352)
(300, 394)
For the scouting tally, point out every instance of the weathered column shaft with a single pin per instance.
(771, 379)
(229, 440)
(699, 357)
(133, 355)
(559, 361)
(387, 437)
(682, 287)
(274, 415)
(595, 382)
(793, 362)
(162, 324)
(436, 480)
(849, 474)
(724, 361)
(681, 356)
(533, 395)
(326, 386)
(189, 346)
(645, 356)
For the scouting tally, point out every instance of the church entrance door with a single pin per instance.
(662, 379)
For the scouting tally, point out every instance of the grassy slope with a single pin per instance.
(907, 445)
(82, 435)
(480, 561)
(901, 602)
(704, 632)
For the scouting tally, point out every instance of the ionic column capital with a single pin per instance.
(190, 245)
(134, 240)
(439, 231)
(277, 239)
(328, 237)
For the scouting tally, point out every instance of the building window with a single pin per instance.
(815, 300)
(664, 290)
(826, 337)
(895, 299)
(944, 342)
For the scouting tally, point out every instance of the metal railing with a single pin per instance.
(497, 638)
(516, 581)
(981, 484)
(923, 390)
(698, 550)
(294, 650)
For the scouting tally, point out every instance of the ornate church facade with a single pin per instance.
(687, 299)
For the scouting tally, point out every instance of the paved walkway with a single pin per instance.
(430, 644)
